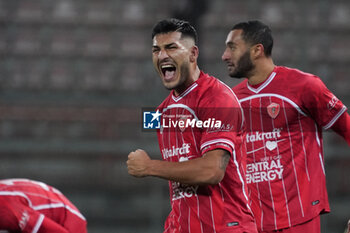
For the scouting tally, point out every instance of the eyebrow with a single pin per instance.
(166, 46)
(231, 43)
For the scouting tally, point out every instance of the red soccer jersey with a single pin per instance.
(285, 168)
(34, 207)
(213, 208)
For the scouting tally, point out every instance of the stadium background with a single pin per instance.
(74, 75)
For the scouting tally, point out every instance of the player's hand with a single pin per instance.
(137, 163)
(348, 227)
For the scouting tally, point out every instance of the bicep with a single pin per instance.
(220, 157)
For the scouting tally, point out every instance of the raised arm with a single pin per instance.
(206, 170)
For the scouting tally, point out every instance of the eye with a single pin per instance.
(155, 50)
(171, 47)
(232, 48)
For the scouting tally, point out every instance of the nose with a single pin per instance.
(162, 54)
(225, 56)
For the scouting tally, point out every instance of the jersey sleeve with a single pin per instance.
(342, 127)
(224, 114)
(321, 104)
(16, 217)
(38, 223)
(8, 220)
(48, 225)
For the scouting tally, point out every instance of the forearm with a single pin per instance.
(207, 170)
(196, 171)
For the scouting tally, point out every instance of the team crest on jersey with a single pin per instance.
(273, 110)
(182, 125)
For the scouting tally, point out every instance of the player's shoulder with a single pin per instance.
(214, 90)
(298, 83)
(210, 84)
(240, 86)
(296, 76)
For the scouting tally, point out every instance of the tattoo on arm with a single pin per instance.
(224, 160)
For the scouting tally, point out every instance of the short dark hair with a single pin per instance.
(256, 32)
(175, 25)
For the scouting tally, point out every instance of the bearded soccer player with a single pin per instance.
(285, 112)
(200, 142)
(34, 207)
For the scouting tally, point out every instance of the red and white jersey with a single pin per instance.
(213, 208)
(33, 207)
(285, 168)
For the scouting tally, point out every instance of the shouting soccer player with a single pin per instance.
(202, 145)
(29, 206)
(285, 112)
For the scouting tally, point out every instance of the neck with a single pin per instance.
(192, 78)
(261, 72)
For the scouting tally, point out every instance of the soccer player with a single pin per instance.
(285, 111)
(200, 140)
(34, 207)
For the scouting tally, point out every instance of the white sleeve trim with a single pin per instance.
(38, 223)
(59, 205)
(216, 141)
(15, 193)
(335, 118)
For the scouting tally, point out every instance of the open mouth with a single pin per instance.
(168, 71)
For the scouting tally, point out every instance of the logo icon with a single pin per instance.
(273, 110)
(271, 145)
(151, 120)
(331, 104)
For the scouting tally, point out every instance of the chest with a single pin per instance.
(178, 137)
(268, 112)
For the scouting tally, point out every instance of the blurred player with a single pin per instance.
(33, 207)
(285, 112)
(204, 165)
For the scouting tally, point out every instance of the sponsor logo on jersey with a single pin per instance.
(176, 151)
(259, 136)
(183, 190)
(331, 104)
(24, 220)
(315, 202)
(232, 224)
(268, 169)
(273, 109)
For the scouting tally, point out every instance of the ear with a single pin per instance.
(257, 51)
(194, 53)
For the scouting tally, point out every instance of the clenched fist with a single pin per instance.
(138, 162)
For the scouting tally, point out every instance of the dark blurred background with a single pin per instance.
(75, 75)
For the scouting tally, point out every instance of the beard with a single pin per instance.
(244, 67)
